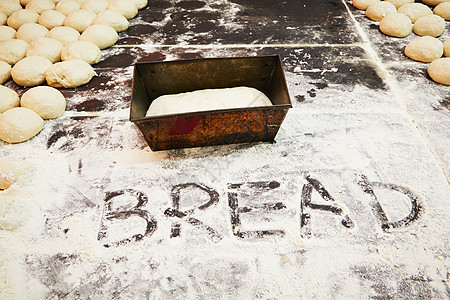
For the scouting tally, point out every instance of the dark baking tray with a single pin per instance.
(216, 127)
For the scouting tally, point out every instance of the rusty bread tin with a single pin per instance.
(214, 127)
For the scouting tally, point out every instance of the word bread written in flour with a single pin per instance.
(208, 99)
(245, 209)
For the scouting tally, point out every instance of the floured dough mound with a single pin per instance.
(30, 71)
(431, 25)
(87, 51)
(127, 9)
(434, 2)
(14, 213)
(80, 19)
(7, 33)
(47, 102)
(209, 99)
(439, 70)
(447, 48)
(46, 47)
(102, 35)
(40, 5)
(8, 7)
(398, 3)
(19, 124)
(5, 72)
(112, 18)
(379, 10)
(51, 19)
(30, 31)
(140, 4)
(70, 73)
(415, 11)
(95, 6)
(9, 99)
(64, 34)
(363, 4)
(67, 6)
(3, 18)
(443, 10)
(13, 170)
(397, 25)
(11, 51)
(424, 49)
(21, 17)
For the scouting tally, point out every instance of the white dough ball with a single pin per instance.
(7, 33)
(424, 49)
(112, 18)
(379, 10)
(30, 71)
(140, 4)
(95, 5)
(30, 31)
(46, 47)
(431, 25)
(447, 48)
(439, 70)
(3, 18)
(9, 6)
(51, 18)
(11, 51)
(21, 17)
(47, 102)
(398, 3)
(396, 24)
(64, 34)
(70, 73)
(19, 124)
(40, 5)
(84, 50)
(207, 99)
(67, 6)
(415, 11)
(127, 9)
(14, 212)
(363, 4)
(102, 35)
(8, 99)
(5, 73)
(13, 170)
(434, 2)
(80, 20)
(443, 10)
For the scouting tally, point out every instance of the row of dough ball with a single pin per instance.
(9, 7)
(79, 19)
(75, 70)
(399, 17)
(33, 45)
(19, 124)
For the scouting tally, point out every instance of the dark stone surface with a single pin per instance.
(242, 22)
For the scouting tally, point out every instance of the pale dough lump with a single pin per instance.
(19, 124)
(70, 73)
(208, 99)
(47, 102)
(8, 99)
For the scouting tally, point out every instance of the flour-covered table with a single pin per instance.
(351, 201)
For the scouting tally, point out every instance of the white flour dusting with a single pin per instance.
(298, 218)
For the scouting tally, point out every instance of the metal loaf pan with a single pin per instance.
(217, 127)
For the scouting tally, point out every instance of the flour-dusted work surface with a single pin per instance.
(350, 201)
